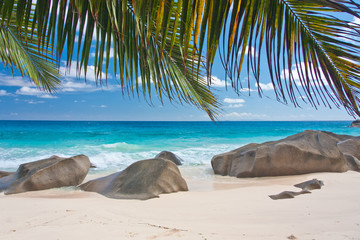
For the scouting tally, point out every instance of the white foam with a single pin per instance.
(121, 146)
(108, 157)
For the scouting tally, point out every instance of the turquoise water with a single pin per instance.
(114, 145)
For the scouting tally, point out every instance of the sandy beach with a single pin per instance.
(215, 208)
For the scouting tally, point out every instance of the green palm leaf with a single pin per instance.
(140, 34)
(305, 35)
(20, 50)
(158, 46)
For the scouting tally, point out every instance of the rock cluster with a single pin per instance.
(142, 180)
(305, 188)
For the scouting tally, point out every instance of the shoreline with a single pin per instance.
(214, 208)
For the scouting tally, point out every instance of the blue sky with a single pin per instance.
(77, 100)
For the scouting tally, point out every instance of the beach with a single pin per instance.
(214, 208)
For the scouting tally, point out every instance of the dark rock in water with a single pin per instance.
(171, 157)
(355, 123)
(92, 165)
(48, 173)
(306, 152)
(141, 180)
(288, 194)
(4, 174)
(310, 185)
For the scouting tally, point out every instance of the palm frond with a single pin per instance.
(160, 44)
(24, 56)
(310, 50)
(140, 36)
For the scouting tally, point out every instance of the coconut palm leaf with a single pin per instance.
(159, 44)
(312, 51)
(140, 36)
(19, 50)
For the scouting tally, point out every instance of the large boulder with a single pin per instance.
(141, 180)
(170, 156)
(48, 173)
(355, 123)
(306, 152)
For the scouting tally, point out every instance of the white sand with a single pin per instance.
(214, 208)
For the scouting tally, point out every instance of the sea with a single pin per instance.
(112, 146)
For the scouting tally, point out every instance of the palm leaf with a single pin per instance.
(307, 36)
(144, 39)
(166, 50)
(18, 50)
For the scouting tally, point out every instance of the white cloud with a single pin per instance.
(356, 20)
(30, 91)
(111, 53)
(72, 72)
(69, 86)
(296, 76)
(265, 87)
(235, 105)
(33, 102)
(243, 116)
(72, 82)
(216, 82)
(14, 114)
(247, 90)
(4, 93)
(234, 102)
(99, 106)
(252, 51)
(7, 80)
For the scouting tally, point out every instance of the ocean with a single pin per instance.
(112, 146)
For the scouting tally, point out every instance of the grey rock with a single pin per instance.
(48, 173)
(305, 188)
(355, 123)
(141, 180)
(310, 185)
(288, 194)
(4, 174)
(306, 152)
(171, 157)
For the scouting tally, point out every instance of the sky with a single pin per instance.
(80, 100)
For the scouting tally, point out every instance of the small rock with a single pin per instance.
(287, 194)
(310, 185)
